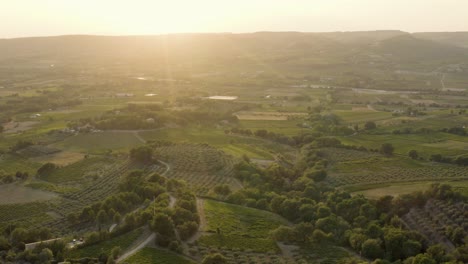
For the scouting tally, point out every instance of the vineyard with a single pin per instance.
(352, 167)
(156, 256)
(75, 172)
(26, 215)
(399, 174)
(123, 241)
(233, 226)
(436, 218)
(98, 190)
(200, 165)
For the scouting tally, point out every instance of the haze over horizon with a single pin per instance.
(145, 17)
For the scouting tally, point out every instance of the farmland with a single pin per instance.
(239, 227)
(318, 157)
(156, 256)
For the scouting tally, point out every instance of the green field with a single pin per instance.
(240, 227)
(426, 144)
(76, 171)
(100, 142)
(375, 191)
(123, 241)
(156, 256)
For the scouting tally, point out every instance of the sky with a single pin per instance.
(23, 18)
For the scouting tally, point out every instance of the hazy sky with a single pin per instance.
(20, 18)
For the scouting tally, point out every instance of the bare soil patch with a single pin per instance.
(15, 127)
(16, 193)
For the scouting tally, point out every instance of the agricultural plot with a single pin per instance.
(99, 142)
(10, 164)
(286, 127)
(92, 167)
(37, 150)
(233, 226)
(397, 174)
(239, 255)
(375, 191)
(15, 193)
(26, 215)
(321, 253)
(353, 168)
(426, 144)
(271, 116)
(61, 158)
(123, 241)
(435, 217)
(156, 256)
(96, 190)
(358, 116)
(200, 165)
(17, 127)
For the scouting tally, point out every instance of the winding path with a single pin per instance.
(201, 227)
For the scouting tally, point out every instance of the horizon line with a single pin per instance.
(220, 32)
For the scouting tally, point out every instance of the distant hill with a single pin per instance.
(407, 47)
(282, 48)
(459, 39)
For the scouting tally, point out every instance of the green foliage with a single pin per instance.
(122, 241)
(215, 259)
(142, 154)
(157, 256)
(46, 169)
(387, 149)
(239, 227)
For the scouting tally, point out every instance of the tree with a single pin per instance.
(102, 217)
(370, 125)
(187, 229)
(216, 258)
(222, 190)
(4, 245)
(117, 218)
(163, 225)
(46, 169)
(423, 259)
(142, 154)
(411, 248)
(413, 154)
(115, 252)
(387, 149)
(316, 175)
(46, 256)
(371, 249)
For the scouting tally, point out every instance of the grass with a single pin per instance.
(123, 241)
(324, 253)
(156, 256)
(238, 150)
(100, 142)
(240, 227)
(10, 164)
